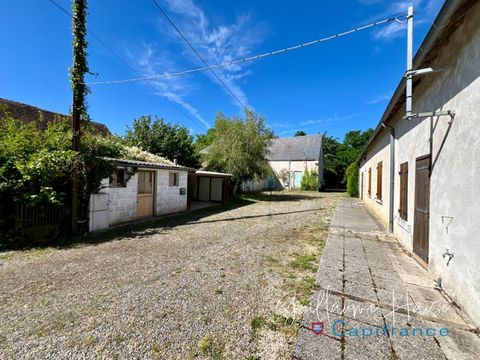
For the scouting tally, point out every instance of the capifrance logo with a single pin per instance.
(342, 328)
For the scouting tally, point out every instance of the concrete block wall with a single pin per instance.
(168, 199)
(122, 202)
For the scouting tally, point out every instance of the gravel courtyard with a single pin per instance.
(218, 283)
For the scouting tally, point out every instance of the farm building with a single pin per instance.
(420, 175)
(289, 158)
(139, 189)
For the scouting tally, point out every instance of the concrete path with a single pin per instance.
(375, 302)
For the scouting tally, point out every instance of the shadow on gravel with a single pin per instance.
(159, 225)
(136, 229)
(258, 216)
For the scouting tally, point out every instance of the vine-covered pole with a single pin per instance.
(79, 89)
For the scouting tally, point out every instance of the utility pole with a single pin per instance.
(79, 89)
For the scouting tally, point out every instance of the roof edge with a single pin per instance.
(438, 25)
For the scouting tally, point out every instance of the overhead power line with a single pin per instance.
(251, 58)
(197, 53)
(123, 61)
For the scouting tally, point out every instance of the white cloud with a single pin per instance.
(216, 43)
(378, 99)
(425, 10)
(175, 89)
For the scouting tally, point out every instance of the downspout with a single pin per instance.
(392, 176)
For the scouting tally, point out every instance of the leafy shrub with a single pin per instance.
(37, 167)
(309, 180)
(352, 179)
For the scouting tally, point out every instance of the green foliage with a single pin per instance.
(240, 147)
(300, 133)
(204, 140)
(164, 139)
(338, 156)
(309, 180)
(352, 179)
(38, 166)
(80, 64)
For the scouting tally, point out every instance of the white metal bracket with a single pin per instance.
(428, 70)
(423, 115)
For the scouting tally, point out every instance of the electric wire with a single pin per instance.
(123, 61)
(198, 54)
(250, 58)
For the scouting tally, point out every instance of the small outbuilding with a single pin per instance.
(137, 190)
(208, 186)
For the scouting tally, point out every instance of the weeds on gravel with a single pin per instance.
(304, 262)
(156, 349)
(286, 325)
(210, 348)
(256, 324)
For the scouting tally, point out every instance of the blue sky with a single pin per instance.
(336, 86)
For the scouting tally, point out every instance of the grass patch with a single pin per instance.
(6, 256)
(272, 260)
(305, 262)
(256, 325)
(89, 340)
(208, 347)
(156, 349)
(286, 325)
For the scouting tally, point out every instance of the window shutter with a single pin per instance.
(403, 190)
(379, 180)
(369, 181)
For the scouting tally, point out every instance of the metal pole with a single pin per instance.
(408, 94)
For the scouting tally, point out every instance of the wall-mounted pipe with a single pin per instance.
(392, 177)
(408, 85)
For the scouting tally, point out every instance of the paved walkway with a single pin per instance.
(376, 302)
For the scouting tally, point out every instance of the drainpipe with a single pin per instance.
(392, 176)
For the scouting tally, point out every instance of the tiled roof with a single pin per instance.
(295, 148)
(28, 113)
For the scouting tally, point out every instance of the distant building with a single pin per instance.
(289, 158)
(28, 113)
(421, 176)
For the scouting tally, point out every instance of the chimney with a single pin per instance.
(174, 161)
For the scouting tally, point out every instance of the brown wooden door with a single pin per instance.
(145, 193)
(422, 207)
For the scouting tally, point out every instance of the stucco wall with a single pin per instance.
(455, 151)
(168, 199)
(380, 152)
(278, 166)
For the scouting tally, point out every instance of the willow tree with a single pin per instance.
(240, 147)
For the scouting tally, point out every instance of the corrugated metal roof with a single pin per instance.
(145, 164)
(295, 148)
(212, 173)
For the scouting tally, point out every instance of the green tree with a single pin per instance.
(352, 179)
(339, 155)
(204, 140)
(240, 147)
(300, 133)
(161, 138)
